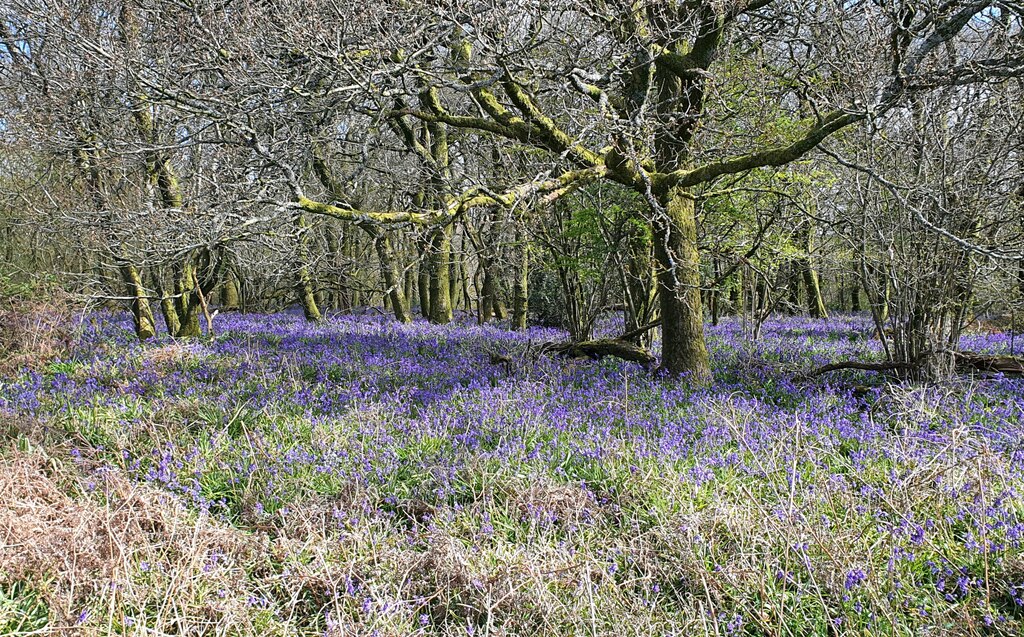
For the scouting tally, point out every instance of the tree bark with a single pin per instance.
(675, 249)
(142, 314)
(440, 275)
(423, 278)
(390, 271)
(455, 280)
(229, 297)
(855, 303)
(303, 279)
(815, 302)
(716, 294)
(736, 294)
(520, 289)
(185, 307)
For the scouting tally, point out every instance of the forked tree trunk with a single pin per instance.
(185, 306)
(167, 309)
(683, 348)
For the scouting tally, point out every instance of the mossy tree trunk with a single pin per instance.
(142, 314)
(303, 280)
(391, 274)
(455, 281)
(815, 302)
(436, 246)
(521, 286)
(229, 297)
(167, 309)
(185, 304)
(675, 249)
(439, 252)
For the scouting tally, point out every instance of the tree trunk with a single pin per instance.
(229, 298)
(423, 279)
(795, 272)
(520, 289)
(392, 276)
(467, 299)
(486, 295)
(352, 296)
(440, 275)
(142, 315)
(497, 303)
(879, 296)
(815, 303)
(736, 294)
(307, 296)
(716, 294)
(409, 287)
(333, 257)
(683, 349)
(455, 280)
(303, 279)
(185, 305)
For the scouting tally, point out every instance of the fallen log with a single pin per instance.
(973, 361)
(964, 362)
(600, 348)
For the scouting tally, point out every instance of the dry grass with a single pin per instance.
(32, 332)
(105, 542)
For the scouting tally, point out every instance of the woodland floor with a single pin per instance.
(361, 477)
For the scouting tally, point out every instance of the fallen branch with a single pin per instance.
(973, 361)
(598, 349)
(871, 367)
(964, 362)
(631, 334)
